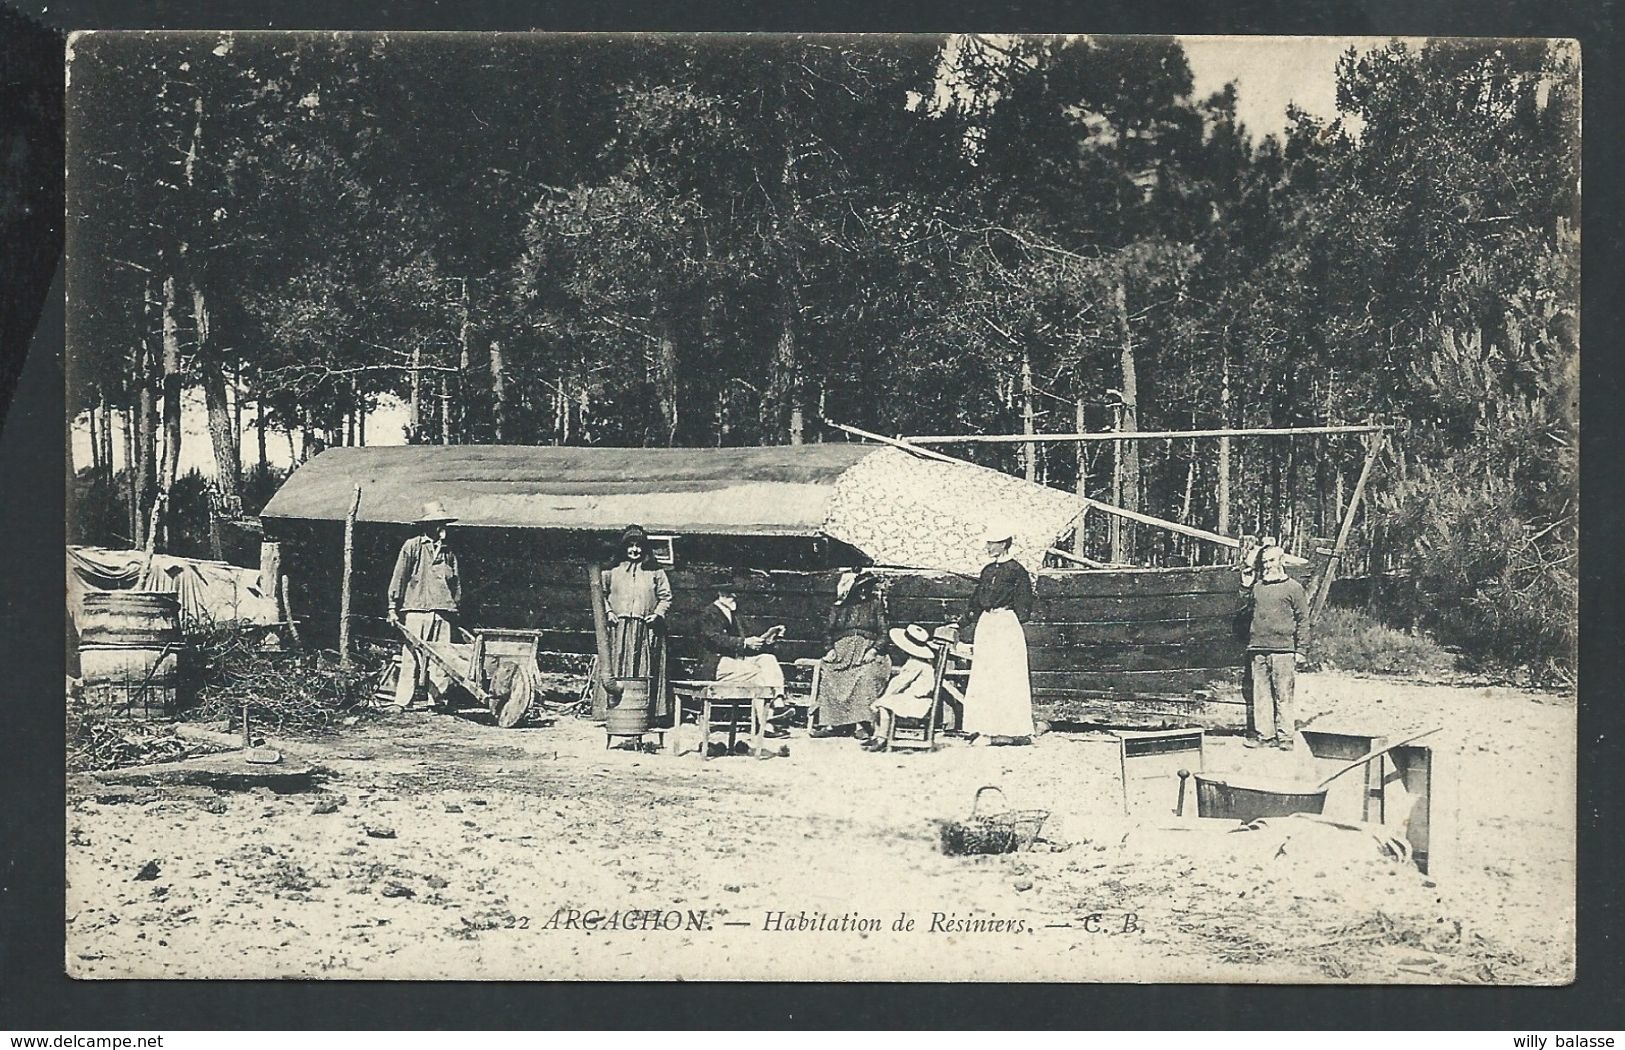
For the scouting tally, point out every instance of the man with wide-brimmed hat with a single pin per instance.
(425, 591)
(637, 597)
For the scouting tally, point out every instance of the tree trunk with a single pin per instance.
(132, 478)
(1029, 450)
(259, 437)
(666, 376)
(1223, 528)
(108, 464)
(499, 393)
(445, 411)
(783, 401)
(92, 421)
(237, 415)
(172, 383)
(785, 380)
(1079, 423)
(414, 414)
(1131, 393)
(223, 441)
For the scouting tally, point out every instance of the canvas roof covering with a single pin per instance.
(778, 490)
(906, 510)
(210, 592)
(898, 508)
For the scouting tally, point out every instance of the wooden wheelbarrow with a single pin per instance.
(497, 667)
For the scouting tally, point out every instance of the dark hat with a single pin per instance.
(634, 532)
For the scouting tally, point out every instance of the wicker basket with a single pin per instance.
(1005, 831)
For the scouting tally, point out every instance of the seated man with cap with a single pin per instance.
(424, 593)
(729, 655)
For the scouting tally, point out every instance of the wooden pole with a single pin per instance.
(1323, 589)
(902, 443)
(603, 684)
(344, 583)
(1134, 435)
(287, 605)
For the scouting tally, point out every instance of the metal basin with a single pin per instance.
(1248, 798)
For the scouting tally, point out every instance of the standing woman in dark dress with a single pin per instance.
(637, 597)
(999, 697)
(854, 672)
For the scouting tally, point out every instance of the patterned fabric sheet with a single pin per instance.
(906, 510)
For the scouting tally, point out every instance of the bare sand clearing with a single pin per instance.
(508, 843)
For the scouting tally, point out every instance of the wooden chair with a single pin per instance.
(952, 676)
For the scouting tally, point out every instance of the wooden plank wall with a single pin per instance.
(1122, 647)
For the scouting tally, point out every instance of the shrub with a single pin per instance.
(1352, 640)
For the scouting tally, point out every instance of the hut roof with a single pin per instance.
(781, 490)
(895, 507)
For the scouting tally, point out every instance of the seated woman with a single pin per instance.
(854, 671)
(911, 690)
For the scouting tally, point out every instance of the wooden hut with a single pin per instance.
(1114, 646)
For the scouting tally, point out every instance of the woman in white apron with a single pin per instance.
(999, 697)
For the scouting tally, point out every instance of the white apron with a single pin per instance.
(999, 697)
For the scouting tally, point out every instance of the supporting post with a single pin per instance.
(287, 605)
(1323, 589)
(344, 583)
(603, 683)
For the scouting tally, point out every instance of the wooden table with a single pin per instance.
(720, 707)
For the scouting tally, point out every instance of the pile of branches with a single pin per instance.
(282, 691)
(97, 741)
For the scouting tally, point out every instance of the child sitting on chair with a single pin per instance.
(909, 694)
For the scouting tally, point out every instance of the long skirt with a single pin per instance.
(637, 649)
(999, 696)
(850, 676)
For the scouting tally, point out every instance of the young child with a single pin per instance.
(909, 693)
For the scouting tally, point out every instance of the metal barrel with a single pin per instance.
(129, 652)
(629, 714)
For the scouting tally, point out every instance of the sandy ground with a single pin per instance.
(505, 843)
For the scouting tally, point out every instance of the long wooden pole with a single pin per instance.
(902, 443)
(1133, 435)
(344, 584)
(603, 683)
(1324, 589)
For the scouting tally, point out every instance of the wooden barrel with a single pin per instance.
(130, 619)
(129, 652)
(628, 714)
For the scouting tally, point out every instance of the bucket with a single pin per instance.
(130, 619)
(628, 713)
(1238, 798)
(129, 652)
